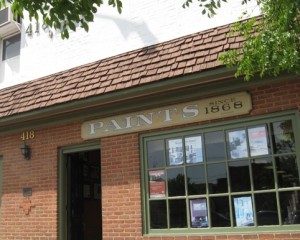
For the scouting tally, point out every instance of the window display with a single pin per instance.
(198, 213)
(238, 144)
(157, 184)
(193, 149)
(239, 176)
(243, 211)
(175, 151)
(258, 141)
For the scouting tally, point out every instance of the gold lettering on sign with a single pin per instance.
(26, 135)
(200, 110)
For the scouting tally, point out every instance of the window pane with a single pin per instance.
(266, 209)
(176, 186)
(219, 212)
(175, 148)
(193, 149)
(158, 214)
(217, 178)
(198, 213)
(237, 144)
(243, 211)
(258, 140)
(239, 176)
(4, 15)
(287, 171)
(11, 47)
(290, 207)
(178, 213)
(262, 173)
(196, 180)
(215, 146)
(283, 137)
(157, 184)
(223, 179)
(156, 156)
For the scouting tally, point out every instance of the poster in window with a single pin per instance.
(157, 185)
(198, 213)
(258, 141)
(243, 211)
(238, 144)
(193, 149)
(175, 151)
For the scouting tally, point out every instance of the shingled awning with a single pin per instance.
(182, 56)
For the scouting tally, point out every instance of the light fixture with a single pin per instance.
(25, 151)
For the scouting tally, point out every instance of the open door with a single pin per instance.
(84, 215)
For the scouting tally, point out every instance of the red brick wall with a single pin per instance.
(121, 201)
(122, 215)
(121, 173)
(276, 97)
(40, 173)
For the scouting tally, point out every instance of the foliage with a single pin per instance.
(62, 15)
(272, 41)
(209, 7)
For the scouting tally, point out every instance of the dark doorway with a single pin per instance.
(84, 212)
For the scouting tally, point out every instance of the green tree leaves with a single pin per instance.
(62, 15)
(208, 7)
(271, 46)
(272, 43)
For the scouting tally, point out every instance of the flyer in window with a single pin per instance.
(258, 141)
(198, 212)
(193, 149)
(175, 151)
(243, 211)
(238, 144)
(157, 185)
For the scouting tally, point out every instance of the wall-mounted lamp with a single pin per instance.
(25, 151)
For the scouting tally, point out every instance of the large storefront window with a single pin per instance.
(237, 176)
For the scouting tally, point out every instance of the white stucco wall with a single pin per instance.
(141, 24)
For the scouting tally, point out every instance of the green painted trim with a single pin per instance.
(297, 136)
(1, 173)
(179, 89)
(62, 227)
(292, 115)
(145, 221)
(225, 231)
(236, 122)
(80, 148)
(62, 182)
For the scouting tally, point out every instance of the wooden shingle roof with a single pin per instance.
(186, 55)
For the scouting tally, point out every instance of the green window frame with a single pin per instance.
(1, 172)
(235, 176)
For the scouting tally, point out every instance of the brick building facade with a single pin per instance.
(39, 196)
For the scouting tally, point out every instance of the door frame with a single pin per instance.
(62, 182)
(1, 175)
